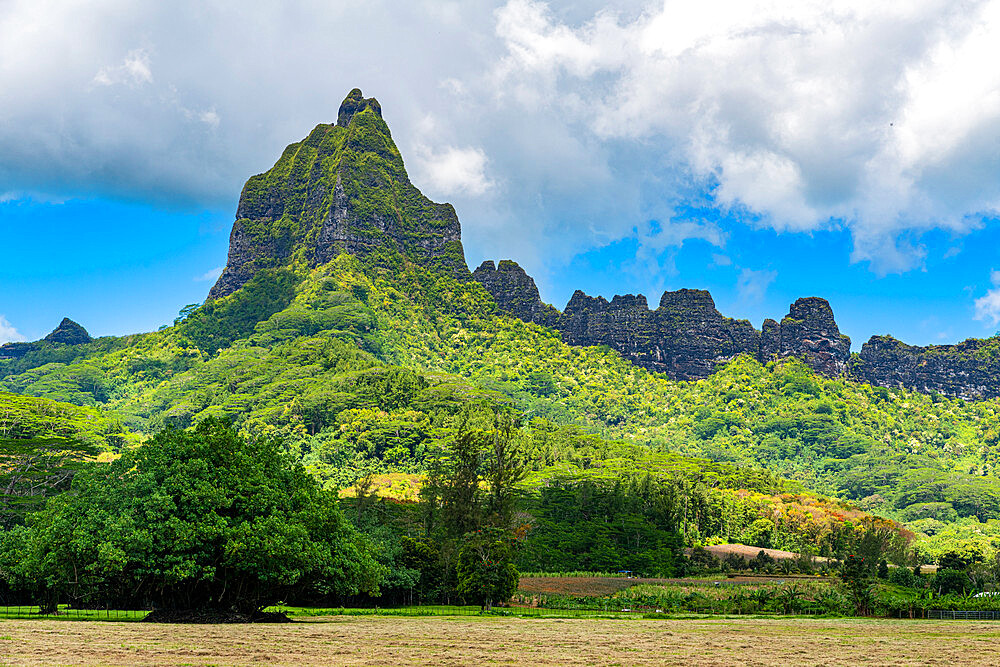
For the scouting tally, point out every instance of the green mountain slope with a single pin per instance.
(347, 325)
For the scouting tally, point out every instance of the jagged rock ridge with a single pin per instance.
(342, 189)
(686, 337)
(969, 370)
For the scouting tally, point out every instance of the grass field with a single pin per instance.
(461, 641)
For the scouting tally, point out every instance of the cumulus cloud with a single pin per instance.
(450, 170)
(8, 333)
(870, 115)
(988, 306)
(557, 127)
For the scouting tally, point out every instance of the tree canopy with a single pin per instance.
(192, 520)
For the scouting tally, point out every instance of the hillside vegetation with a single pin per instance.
(359, 366)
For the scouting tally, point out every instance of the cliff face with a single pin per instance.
(515, 292)
(809, 332)
(685, 337)
(969, 370)
(342, 189)
(696, 337)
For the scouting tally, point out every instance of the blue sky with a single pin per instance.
(762, 150)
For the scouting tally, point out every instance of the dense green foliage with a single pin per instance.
(485, 570)
(190, 520)
(43, 444)
(366, 367)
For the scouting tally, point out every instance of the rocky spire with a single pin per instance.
(341, 189)
(515, 292)
(809, 332)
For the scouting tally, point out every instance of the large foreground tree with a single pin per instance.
(192, 520)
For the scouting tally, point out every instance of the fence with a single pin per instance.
(68, 613)
(122, 615)
(948, 615)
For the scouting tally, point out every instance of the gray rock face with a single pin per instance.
(685, 337)
(969, 370)
(515, 292)
(809, 332)
(696, 337)
(624, 324)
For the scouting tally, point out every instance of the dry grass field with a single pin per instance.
(463, 641)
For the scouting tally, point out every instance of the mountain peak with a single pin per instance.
(69, 333)
(353, 103)
(342, 189)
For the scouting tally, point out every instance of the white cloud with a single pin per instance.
(988, 306)
(212, 274)
(8, 334)
(881, 117)
(133, 71)
(751, 285)
(452, 170)
(558, 126)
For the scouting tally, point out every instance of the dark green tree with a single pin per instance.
(856, 575)
(33, 469)
(486, 571)
(199, 520)
(504, 469)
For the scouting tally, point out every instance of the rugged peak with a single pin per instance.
(629, 301)
(353, 103)
(808, 331)
(515, 292)
(581, 301)
(342, 189)
(69, 333)
(814, 309)
(688, 298)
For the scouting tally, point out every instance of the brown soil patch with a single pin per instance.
(506, 641)
(745, 552)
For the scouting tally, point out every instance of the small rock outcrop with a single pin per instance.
(69, 333)
(515, 292)
(969, 370)
(810, 333)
